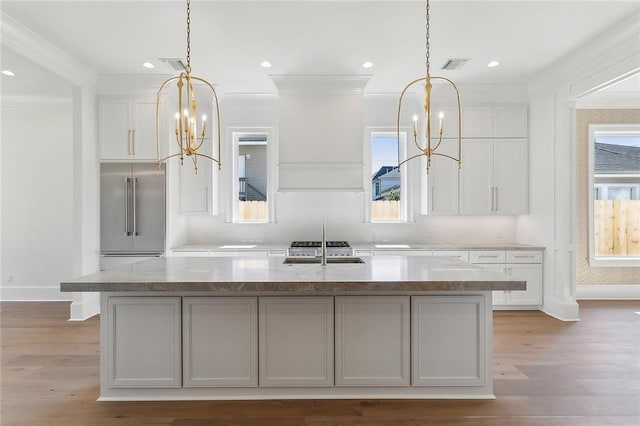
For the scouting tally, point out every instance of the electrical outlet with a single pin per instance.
(9, 278)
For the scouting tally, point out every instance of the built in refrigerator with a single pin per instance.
(132, 212)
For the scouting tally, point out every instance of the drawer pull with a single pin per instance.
(494, 256)
(523, 257)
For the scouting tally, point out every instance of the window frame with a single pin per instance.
(405, 185)
(235, 133)
(594, 131)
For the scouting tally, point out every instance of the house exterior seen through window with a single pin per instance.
(251, 177)
(387, 202)
(615, 204)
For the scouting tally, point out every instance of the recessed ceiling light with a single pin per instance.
(367, 64)
(493, 64)
(8, 72)
(265, 64)
(148, 65)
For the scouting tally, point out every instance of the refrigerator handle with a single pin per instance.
(135, 204)
(126, 207)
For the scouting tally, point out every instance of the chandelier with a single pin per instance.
(190, 135)
(431, 148)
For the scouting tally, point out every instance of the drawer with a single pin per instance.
(456, 254)
(487, 256)
(524, 256)
(402, 253)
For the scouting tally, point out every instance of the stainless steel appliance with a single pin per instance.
(314, 248)
(132, 209)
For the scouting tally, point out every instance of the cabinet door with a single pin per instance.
(532, 274)
(510, 122)
(510, 176)
(143, 136)
(115, 130)
(296, 341)
(477, 122)
(443, 180)
(476, 177)
(195, 189)
(372, 341)
(220, 340)
(449, 346)
(143, 348)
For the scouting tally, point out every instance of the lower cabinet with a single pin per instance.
(525, 265)
(372, 341)
(449, 342)
(199, 342)
(220, 341)
(296, 341)
(143, 341)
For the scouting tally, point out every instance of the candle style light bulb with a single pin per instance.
(440, 116)
(415, 125)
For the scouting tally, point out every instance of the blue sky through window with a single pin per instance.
(384, 152)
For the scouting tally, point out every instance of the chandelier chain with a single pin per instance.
(428, 46)
(188, 67)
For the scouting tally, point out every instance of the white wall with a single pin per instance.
(298, 213)
(553, 92)
(37, 200)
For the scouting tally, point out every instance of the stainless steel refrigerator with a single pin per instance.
(132, 209)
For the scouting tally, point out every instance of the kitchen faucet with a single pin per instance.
(324, 245)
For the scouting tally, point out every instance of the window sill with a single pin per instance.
(615, 262)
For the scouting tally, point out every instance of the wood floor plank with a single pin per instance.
(547, 373)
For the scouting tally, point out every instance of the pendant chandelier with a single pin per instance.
(431, 148)
(190, 135)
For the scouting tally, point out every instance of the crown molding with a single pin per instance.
(32, 46)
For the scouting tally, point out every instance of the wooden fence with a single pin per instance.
(252, 210)
(616, 227)
(385, 210)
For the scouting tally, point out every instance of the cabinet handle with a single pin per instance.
(133, 141)
(523, 257)
(206, 198)
(495, 198)
(431, 199)
(488, 256)
(129, 142)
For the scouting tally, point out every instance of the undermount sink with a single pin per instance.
(317, 260)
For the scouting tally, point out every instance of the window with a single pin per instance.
(251, 177)
(614, 204)
(389, 192)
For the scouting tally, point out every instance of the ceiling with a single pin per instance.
(229, 39)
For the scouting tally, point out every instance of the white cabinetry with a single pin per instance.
(296, 341)
(372, 341)
(494, 176)
(127, 129)
(525, 265)
(220, 341)
(143, 348)
(443, 180)
(456, 357)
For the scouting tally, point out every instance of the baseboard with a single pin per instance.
(84, 307)
(561, 309)
(608, 291)
(33, 294)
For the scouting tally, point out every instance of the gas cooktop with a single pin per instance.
(314, 244)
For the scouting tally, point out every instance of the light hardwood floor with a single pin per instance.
(547, 372)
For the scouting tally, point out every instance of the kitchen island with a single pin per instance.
(257, 328)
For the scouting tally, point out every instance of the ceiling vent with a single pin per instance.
(454, 63)
(175, 63)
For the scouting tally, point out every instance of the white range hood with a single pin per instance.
(320, 133)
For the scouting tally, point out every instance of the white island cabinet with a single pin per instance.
(254, 328)
(296, 341)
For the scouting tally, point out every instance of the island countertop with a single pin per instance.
(229, 275)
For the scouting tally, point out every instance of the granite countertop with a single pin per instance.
(243, 247)
(270, 275)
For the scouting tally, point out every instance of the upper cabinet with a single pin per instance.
(127, 129)
(494, 174)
